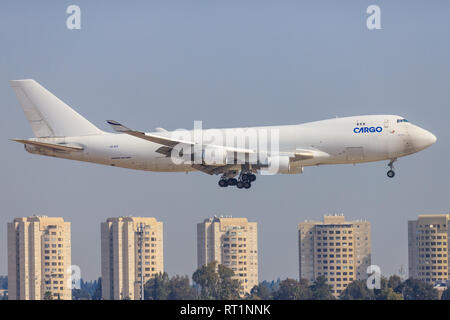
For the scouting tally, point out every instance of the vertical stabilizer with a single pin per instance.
(49, 116)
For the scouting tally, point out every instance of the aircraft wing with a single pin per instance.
(53, 146)
(209, 169)
(147, 136)
(168, 142)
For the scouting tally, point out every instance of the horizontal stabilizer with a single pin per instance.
(54, 146)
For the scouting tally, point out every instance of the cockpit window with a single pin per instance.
(401, 120)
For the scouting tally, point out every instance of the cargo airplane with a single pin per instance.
(63, 133)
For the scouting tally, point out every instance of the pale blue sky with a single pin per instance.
(228, 63)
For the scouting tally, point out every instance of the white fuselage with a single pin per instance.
(336, 141)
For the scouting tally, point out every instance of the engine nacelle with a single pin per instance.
(213, 156)
(281, 164)
(210, 156)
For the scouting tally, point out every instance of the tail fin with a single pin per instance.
(49, 116)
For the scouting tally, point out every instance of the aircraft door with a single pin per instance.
(397, 140)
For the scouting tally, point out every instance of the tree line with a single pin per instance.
(216, 282)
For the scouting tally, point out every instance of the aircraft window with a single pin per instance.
(401, 120)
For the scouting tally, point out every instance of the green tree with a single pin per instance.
(392, 295)
(3, 282)
(387, 292)
(216, 282)
(48, 295)
(208, 279)
(357, 290)
(80, 294)
(291, 289)
(414, 289)
(321, 290)
(97, 294)
(381, 294)
(157, 288)
(395, 283)
(180, 289)
(446, 294)
(260, 292)
(228, 287)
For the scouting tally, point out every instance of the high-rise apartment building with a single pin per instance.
(131, 253)
(428, 248)
(335, 248)
(39, 258)
(232, 242)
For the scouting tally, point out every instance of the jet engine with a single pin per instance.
(281, 164)
(210, 156)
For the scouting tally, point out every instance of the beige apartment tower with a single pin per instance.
(428, 248)
(39, 258)
(335, 248)
(123, 262)
(232, 242)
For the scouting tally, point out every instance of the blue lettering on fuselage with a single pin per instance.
(367, 129)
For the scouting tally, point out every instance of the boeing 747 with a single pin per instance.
(236, 154)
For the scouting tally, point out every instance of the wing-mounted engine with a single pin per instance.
(190, 154)
(282, 164)
(213, 156)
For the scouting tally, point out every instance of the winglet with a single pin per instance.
(117, 126)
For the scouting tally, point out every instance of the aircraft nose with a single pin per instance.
(432, 138)
(422, 138)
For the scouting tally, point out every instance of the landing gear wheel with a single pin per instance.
(232, 181)
(245, 177)
(391, 172)
(239, 184)
(247, 184)
(223, 183)
(252, 177)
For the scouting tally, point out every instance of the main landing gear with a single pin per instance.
(391, 172)
(243, 182)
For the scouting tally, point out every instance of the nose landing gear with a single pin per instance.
(391, 172)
